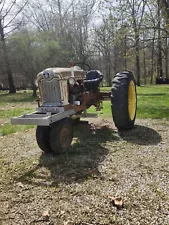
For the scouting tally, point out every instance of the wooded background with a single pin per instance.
(109, 35)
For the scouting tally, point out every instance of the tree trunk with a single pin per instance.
(109, 76)
(144, 63)
(159, 60)
(152, 61)
(166, 56)
(12, 88)
(60, 18)
(125, 52)
(165, 6)
(108, 70)
(34, 88)
(137, 58)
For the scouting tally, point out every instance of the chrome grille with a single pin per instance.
(50, 91)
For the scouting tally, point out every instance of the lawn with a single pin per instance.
(152, 102)
(14, 105)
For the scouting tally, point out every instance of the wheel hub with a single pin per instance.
(132, 100)
(64, 137)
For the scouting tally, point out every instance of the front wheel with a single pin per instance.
(61, 135)
(42, 138)
(124, 100)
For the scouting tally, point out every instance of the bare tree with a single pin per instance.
(165, 6)
(105, 46)
(137, 13)
(8, 14)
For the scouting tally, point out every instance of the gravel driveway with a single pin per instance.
(78, 187)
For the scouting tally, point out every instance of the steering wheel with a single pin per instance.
(83, 66)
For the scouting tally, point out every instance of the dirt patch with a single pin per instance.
(2, 121)
(77, 187)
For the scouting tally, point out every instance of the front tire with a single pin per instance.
(61, 136)
(42, 138)
(124, 100)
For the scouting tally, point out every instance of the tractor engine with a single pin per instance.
(76, 92)
(90, 84)
(59, 87)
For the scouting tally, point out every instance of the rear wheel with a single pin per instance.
(124, 100)
(61, 135)
(42, 138)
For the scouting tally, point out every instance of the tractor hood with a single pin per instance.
(62, 73)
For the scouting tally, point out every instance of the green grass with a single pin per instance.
(19, 97)
(9, 128)
(12, 105)
(6, 113)
(152, 102)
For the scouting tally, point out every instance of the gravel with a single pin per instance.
(78, 187)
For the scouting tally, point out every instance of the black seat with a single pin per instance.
(93, 79)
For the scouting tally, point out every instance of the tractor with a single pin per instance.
(65, 94)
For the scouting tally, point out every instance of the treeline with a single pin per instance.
(109, 35)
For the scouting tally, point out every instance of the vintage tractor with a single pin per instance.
(66, 94)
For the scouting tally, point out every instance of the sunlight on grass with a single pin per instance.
(152, 102)
(8, 128)
(21, 96)
(12, 105)
(6, 113)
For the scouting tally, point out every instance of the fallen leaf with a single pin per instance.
(68, 223)
(19, 184)
(117, 202)
(45, 215)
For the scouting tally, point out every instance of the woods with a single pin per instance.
(110, 36)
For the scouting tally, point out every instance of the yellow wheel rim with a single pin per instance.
(132, 100)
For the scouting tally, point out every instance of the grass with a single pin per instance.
(19, 97)
(152, 102)
(12, 105)
(9, 128)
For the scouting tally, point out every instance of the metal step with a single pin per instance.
(40, 119)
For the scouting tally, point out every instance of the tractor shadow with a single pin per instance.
(77, 165)
(141, 135)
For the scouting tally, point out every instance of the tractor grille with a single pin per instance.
(50, 91)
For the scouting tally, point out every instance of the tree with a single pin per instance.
(34, 54)
(136, 10)
(165, 6)
(132, 35)
(8, 14)
(104, 43)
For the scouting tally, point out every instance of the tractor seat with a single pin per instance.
(93, 79)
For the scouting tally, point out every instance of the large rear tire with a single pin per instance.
(42, 138)
(61, 136)
(124, 100)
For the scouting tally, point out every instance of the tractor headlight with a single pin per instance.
(72, 81)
